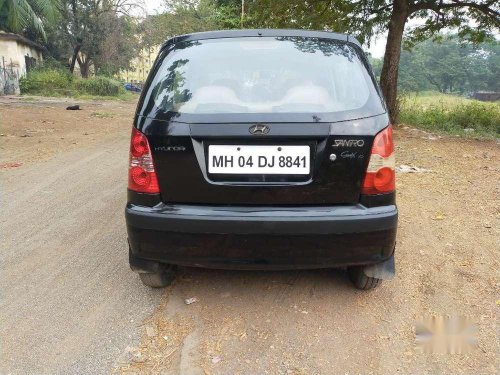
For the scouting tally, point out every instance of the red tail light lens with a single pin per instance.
(141, 171)
(380, 175)
(138, 144)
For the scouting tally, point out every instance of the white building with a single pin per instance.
(17, 56)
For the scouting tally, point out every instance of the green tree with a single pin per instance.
(449, 66)
(311, 15)
(118, 45)
(437, 15)
(376, 66)
(187, 16)
(412, 72)
(20, 16)
(95, 33)
(486, 67)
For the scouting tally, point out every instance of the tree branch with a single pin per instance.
(437, 7)
(377, 10)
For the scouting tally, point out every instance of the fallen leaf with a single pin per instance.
(216, 359)
(10, 165)
(151, 331)
(439, 216)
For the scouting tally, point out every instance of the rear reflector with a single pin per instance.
(380, 175)
(141, 171)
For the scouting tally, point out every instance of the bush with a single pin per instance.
(101, 86)
(46, 81)
(452, 114)
(49, 80)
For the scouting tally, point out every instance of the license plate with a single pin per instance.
(225, 159)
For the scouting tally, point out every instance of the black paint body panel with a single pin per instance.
(261, 238)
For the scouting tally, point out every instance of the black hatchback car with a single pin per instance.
(262, 149)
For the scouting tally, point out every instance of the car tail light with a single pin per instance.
(380, 175)
(141, 171)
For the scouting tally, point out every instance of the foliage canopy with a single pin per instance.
(30, 16)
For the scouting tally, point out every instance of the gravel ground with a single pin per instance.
(70, 305)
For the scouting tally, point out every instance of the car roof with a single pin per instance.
(261, 33)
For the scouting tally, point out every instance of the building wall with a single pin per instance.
(141, 66)
(13, 53)
(13, 63)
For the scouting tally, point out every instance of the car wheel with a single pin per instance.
(360, 280)
(159, 279)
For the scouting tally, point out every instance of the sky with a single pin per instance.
(153, 6)
(377, 46)
(376, 49)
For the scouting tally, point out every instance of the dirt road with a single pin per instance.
(70, 305)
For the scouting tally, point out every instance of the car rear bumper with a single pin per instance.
(260, 237)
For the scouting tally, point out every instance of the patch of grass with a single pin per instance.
(122, 96)
(102, 114)
(59, 83)
(100, 86)
(451, 114)
(48, 82)
(28, 99)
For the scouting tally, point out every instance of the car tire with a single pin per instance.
(360, 280)
(159, 279)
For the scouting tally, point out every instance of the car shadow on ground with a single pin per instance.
(253, 284)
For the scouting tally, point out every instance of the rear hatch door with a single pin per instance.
(227, 164)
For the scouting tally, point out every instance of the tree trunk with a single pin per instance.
(84, 64)
(84, 69)
(76, 50)
(389, 75)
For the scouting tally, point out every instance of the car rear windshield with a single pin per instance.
(263, 75)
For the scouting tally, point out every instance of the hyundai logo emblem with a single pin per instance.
(259, 129)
